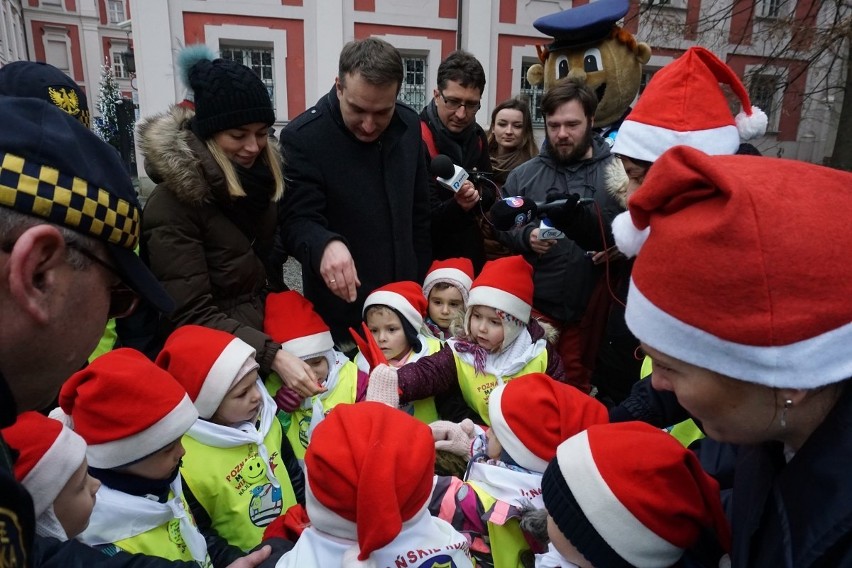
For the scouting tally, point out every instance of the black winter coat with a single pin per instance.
(374, 197)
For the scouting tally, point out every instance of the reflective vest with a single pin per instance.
(475, 387)
(344, 392)
(164, 541)
(685, 432)
(424, 409)
(505, 537)
(232, 486)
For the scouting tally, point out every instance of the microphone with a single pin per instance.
(449, 175)
(517, 211)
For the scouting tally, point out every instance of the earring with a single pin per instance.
(787, 405)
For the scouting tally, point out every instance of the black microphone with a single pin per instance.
(449, 175)
(512, 212)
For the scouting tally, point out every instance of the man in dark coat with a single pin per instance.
(450, 128)
(356, 209)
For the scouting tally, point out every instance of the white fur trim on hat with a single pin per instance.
(618, 526)
(500, 300)
(48, 477)
(222, 376)
(325, 519)
(452, 276)
(169, 428)
(811, 363)
(309, 345)
(647, 142)
(397, 302)
(513, 445)
(628, 238)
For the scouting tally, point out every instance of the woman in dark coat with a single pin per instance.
(208, 227)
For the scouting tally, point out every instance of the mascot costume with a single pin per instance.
(589, 46)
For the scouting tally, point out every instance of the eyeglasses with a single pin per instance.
(122, 299)
(456, 104)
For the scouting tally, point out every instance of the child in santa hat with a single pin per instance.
(446, 287)
(369, 478)
(394, 316)
(132, 415)
(629, 495)
(290, 320)
(239, 467)
(52, 466)
(500, 504)
(500, 342)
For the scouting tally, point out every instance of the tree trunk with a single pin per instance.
(841, 156)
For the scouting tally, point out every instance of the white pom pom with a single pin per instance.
(58, 414)
(751, 126)
(628, 238)
(350, 559)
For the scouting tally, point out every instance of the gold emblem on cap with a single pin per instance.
(66, 99)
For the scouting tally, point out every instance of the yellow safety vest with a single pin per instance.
(232, 486)
(164, 541)
(424, 409)
(506, 540)
(475, 387)
(344, 392)
(685, 432)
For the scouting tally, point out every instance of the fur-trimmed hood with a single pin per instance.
(175, 156)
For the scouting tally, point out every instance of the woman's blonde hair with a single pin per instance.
(270, 157)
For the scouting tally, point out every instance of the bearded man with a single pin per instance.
(571, 166)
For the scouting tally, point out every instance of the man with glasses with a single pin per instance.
(449, 127)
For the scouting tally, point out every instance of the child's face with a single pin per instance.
(388, 333)
(73, 506)
(241, 404)
(159, 465)
(494, 447)
(486, 328)
(444, 305)
(320, 367)
(564, 547)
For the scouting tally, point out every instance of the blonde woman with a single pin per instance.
(209, 225)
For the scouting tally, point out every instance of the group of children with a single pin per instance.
(192, 457)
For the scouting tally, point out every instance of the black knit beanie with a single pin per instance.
(227, 95)
(573, 523)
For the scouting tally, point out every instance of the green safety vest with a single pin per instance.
(232, 486)
(424, 409)
(164, 541)
(506, 539)
(475, 387)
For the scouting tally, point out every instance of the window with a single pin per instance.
(413, 90)
(647, 75)
(533, 94)
(118, 70)
(115, 9)
(765, 94)
(258, 59)
(769, 8)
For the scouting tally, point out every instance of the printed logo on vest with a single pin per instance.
(12, 551)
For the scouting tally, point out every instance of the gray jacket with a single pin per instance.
(564, 277)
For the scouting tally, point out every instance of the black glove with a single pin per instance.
(563, 216)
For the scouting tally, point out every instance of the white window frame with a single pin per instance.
(676, 4)
(780, 76)
(58, 35)
(112, 15)
(424, 89)
(116, 60)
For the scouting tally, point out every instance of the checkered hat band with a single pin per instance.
(66, 200)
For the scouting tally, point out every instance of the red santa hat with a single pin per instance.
(742, 271)
(629, 494)
(684, 105)
(125, 407)
(532, 414)
(368, 469)
(48, 456)
(505, 284)
(406, 297)
(290, 320)
(456, 272)
(207, 362)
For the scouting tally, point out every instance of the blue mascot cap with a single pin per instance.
(586, 24)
